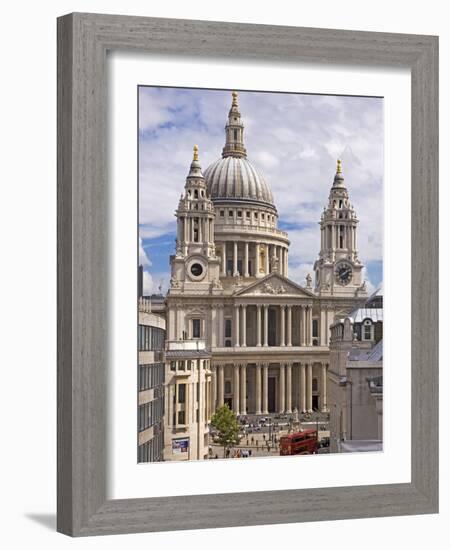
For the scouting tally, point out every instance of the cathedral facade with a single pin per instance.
(239, 331)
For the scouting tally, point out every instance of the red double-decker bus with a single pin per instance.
(299, 443)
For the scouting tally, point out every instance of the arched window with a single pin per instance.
(368, 330)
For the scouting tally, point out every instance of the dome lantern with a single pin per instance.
(234, 132)
(233, 177)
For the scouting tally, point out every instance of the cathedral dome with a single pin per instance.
(233, 177)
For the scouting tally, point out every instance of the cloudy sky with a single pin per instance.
(293, 139)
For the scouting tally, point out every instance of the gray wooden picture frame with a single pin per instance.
(83, 42)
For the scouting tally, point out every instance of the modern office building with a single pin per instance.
(151, 380)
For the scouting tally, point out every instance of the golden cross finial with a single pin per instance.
(195, 152)
(235, 95)
(339, 167)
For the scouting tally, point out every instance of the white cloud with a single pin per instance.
(147, 283)
(298, 273)
(144, 260)
(293, 139)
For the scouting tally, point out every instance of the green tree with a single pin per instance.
(225, 422)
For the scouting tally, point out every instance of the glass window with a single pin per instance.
(239, 213)
(195, 328)
(181, 417)
(248, 214)
(227, 328)
(230, 213)
(315, 328)
(181, 393)
(222, 213)
(367, 333)
(227, 386)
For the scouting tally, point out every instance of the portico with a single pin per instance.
(263, 387)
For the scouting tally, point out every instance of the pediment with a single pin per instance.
(275, 285)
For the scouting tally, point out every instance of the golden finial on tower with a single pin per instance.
(339, 167)
(235, 95)
(195, 152)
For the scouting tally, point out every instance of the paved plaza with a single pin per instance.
(260, 435)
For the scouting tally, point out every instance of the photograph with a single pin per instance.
(260, 274)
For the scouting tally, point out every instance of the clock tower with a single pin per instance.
(195, 266)
(338, 271)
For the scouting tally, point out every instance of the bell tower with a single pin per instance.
(195, 264)
(338, 271)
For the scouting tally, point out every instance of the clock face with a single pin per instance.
(343, 273)
(196, 269)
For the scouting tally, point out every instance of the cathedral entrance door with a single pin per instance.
(271, 390)
(272, 336)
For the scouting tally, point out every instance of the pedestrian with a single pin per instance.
(249, 452)
(216, 456)
(264, 437)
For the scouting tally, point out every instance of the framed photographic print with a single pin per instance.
(247, 274)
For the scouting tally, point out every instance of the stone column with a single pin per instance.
(258, 389)
(235, 259)
(289, 387)
(221, 328)
(213, 401)
(302, 387)
(289, 325)
(243, 390)
(286, 263)
(256, 259)
(302, 326)
(282, 390)
(309, 326)
(258, 325)
(265, 388)
(244, 325)
(267, 260)
(309, 387)
(323, 329)
(282, 325)
(266, 325)
(224, 258)
(220, 389)
(236, 401)
(236, 325)
(212, 334)
(246, 260)
(323, 392)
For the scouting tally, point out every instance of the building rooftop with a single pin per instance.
(373, 355)
(373, 313)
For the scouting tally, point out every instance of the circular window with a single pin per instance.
(196, 270)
